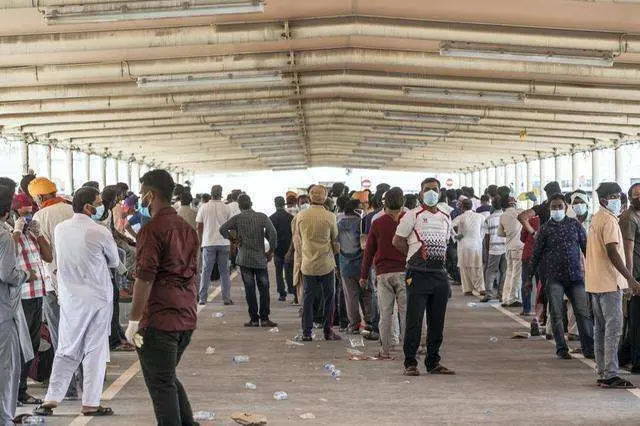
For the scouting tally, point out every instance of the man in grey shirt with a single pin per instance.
(251, 229)
(11, 280)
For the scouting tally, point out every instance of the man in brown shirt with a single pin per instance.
(163, 314)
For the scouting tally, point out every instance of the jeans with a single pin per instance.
(252, 278)
(159, 356)
(630, 347)
(210, 256)
(33, 314)
(117, 335)
(325, 285)
(425, 291)
(284, 275)
(607, 316)
(391, 291)
(527, 293)
(576, 294)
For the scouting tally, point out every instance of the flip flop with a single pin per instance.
(30, 400)
(99, 412)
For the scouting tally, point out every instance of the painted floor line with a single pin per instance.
(588, 362)
(134, 369)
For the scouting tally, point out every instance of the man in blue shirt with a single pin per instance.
(559, 247)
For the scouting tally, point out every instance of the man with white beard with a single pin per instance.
(85, 251)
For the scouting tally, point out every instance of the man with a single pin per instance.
(315, 240)
(85, 251)
(292, 203)
(52, 211)
(215, 248)
(510, 228)
(606, 277)
(251, 228)
(630, 227)
(580, 207)
(33, 249)
(389, 265)
(11, 280)
(496, 269)
(233, 204)
(559, 247)
(471, 232)
(185, 211)
(303, 202)
(485, 206)
(423, 234)
(281, 220)
(164, 312)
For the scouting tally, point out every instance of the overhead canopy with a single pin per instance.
(404, 84)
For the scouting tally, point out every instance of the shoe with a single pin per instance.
(440, 369)
(617, 383)
(307, 339)
(268, 323)
(202, 304)
(282, 299)
(564, 355)
(252, 324)
(515, 304)
(485, 298)
(374, 335)
(332, 337)
(228, 302)
(535, 328)
(27, 399)
(411, 371)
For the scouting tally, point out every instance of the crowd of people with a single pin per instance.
(375, 263)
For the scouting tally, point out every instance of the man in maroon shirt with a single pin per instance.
(389, 266)
(163, 314)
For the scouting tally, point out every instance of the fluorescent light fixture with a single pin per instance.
(207, 79)
(412, 131)
(285, 168)
(240, 104)
(594, 58)
(432, 118)
(113, 11)
(465, 95)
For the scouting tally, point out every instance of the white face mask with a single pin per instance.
(304, 206)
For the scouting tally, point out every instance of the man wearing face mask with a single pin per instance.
(423, 234)
(630, 226)
(580, 206)
(85, 250)
(164, 298)
(606, 276)
(558, 248)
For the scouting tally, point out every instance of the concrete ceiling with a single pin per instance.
(363, 84)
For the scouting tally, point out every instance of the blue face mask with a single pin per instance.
(27, 218)
(614, 206)
(580, 209)
(558, 215)
(430, 198)
(144, 211)
(97, 216)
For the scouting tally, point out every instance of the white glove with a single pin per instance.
(19, 225)
(132, 330)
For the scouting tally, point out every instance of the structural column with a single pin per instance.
(117, 163)
(543, 178)
(24, 157)
(596, 177)
(87, 167)
(558, 169)
(529, 184)
(483, 181)
(129, 166)
(103, 171)
(476, 180)
(494, 175)
(48, 161)
(622, 175)
(69, 161)
(575, 177)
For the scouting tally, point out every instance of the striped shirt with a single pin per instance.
(28, 258)
(497, 244)
(251, 229)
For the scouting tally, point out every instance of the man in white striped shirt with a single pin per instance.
(497, 262)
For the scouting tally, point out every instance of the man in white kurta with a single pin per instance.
(471, 231)
(85, 251)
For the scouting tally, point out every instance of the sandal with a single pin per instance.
(124, 347)
(617, 383)
(440, 369)
(43, 411)
(21, 419)
(99, 412)
(30, 400)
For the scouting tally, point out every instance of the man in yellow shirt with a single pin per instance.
(606, 277)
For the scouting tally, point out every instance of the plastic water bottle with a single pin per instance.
(241, 359)
(204, 415)
(336, 373)
(250, 386)
(328, 367)
(280, 396)
(493, 339)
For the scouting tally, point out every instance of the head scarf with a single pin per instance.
(21, 200)
(580, 195)
(42, 186)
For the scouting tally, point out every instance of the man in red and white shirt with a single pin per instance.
(33, 249)
(423, 235)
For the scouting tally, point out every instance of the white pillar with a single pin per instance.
(518, 179)
(87, 167)
(529, 185)
(484, 173)
(510, 175)
(558, 169)
(622, 167)
(494, 175)
(468, 181)
(596, 177)
(543, 178)
(24, 157)
(69, 161)
(48, 161)
(103, 171)
(575, 177)
(117, 163)
(476, 181)
(129, 165)
(460, 180)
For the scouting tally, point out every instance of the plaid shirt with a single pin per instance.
(28, 258)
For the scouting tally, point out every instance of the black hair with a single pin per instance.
(624, 200)
(91, 184)
(216, 192)
(279, 202)
(6, 198)
(329, 204)
(341, 202)
(443, 195)
(631, 188)
(83, 196)
(109, 199)
(186, 198)
(451, 195)
(492, 190)
(206, 198)
(411, 201)
(557, 196)
(9, 183)
(430, 180)
(466, 204)
(25, 181)
(177, 190)
(161, 182)
(504, 202)
(351, 206)
(485, 198)
(244, 202)
(235, 194)
(337, 189)
(495, 203)
(394, 199)
(122, 187)
(383, 187)
(608, 188)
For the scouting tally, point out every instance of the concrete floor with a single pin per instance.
(503, 382)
